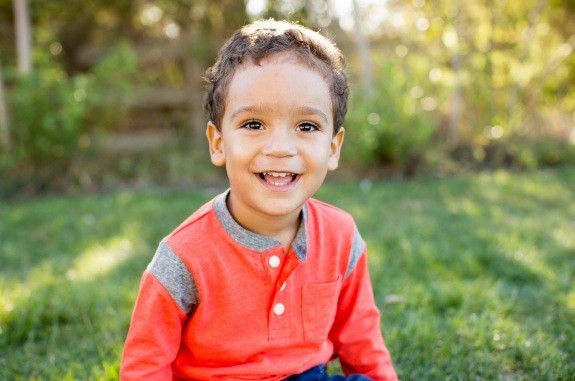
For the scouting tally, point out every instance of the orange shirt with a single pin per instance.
(220, 302)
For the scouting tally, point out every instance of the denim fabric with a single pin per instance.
(319, 373)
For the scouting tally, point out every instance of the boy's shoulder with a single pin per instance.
(328, 213)
(196, 221)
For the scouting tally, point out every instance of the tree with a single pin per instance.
(23, 36)
(363, 49)
(5, 144)
(24, 59)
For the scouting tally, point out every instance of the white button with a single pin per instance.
(279, 309)
(274, 261)
(283, 287)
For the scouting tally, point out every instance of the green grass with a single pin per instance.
(474, 276)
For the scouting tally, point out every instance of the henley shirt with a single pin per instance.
(220, 302)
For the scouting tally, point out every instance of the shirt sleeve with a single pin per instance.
(356, 332)
(161, 309)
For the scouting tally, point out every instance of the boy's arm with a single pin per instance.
(154, 336)
(356, 331)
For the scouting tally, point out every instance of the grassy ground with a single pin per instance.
(474, 276)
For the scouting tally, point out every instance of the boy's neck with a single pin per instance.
(282, 228)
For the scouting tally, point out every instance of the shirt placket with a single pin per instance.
(279, 313)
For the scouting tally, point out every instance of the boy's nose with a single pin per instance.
(279, 144)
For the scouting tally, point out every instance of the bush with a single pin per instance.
(54, 117)
(48, 115)
(527, 149)
(388, 129)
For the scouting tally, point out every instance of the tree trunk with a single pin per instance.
(5, 143)
(364, 51)
(23, 36)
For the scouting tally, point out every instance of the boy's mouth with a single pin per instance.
(278, 178)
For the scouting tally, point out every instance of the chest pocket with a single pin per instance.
(319, 304)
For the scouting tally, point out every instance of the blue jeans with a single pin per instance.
(319, 373)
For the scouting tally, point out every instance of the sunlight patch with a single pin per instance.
(101, 259)
(571, 300)
(564, 238)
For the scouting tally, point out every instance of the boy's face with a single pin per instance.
(277, 138)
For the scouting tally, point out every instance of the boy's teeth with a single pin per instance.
(276, 174)
(278, 178)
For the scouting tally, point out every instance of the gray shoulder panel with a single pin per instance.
(171, 272)
(357, 248)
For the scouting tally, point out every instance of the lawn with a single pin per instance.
(474, 275)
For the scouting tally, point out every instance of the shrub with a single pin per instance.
(53, 116)
(388, 128)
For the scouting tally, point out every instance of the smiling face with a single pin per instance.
(276, 139)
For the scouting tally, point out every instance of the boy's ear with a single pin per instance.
(216, 144)
(335, 149)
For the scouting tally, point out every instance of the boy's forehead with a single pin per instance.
(278, 58)
(279, 78)
(281, 65)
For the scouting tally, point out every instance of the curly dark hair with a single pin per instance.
(263, 38)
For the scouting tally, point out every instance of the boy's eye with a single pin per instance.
(307, 127)
(252, 125)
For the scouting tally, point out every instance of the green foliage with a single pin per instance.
(113, 80)
(470, 283)
(531, 152)
(511, 65)
(48, 111)
(387, 127)
(487, 66)
(54, 117)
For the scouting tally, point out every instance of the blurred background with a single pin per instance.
(104, 95)
(472, 260)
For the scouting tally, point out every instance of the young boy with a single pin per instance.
(264, 282)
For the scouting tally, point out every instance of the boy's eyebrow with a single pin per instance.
(301, 109)
(312, 110)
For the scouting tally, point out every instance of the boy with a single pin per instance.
(264, 282)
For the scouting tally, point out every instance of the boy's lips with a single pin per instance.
(277, 178)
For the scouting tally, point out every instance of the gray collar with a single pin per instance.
(256, 241)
